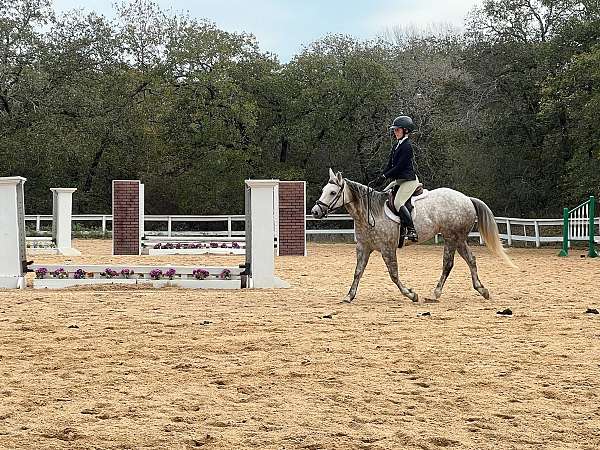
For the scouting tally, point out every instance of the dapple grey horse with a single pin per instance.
(443, 210)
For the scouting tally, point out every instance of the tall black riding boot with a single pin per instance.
(411, 233)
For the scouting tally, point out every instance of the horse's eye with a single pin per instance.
(332, 193)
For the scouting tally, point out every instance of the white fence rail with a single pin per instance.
(511, 229)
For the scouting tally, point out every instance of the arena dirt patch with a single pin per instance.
(294, 368)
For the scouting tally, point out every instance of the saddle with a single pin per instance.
(404, 224)
(392, 194)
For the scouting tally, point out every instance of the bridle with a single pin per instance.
(327, 208)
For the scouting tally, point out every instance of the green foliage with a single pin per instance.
(506, 111)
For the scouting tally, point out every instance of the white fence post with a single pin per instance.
(538, 242)
(103, 225)
(508, 232)
(169, 227)
(229, 232)
(38, 224)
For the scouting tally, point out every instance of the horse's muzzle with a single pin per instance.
(318, 212)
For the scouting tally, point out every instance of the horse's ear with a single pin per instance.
(331, 175)
(340, 178)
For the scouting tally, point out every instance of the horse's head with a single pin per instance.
(332, 196)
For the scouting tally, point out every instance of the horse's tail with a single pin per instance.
(489, 230)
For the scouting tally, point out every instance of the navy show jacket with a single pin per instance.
(400, 165)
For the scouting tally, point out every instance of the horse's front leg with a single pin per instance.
(389, 256)
(362, 258)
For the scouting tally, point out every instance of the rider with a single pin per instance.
(400, 167)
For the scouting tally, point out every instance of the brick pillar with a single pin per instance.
(128, 204)
(292, 218)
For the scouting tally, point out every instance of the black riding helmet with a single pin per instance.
(403, 122)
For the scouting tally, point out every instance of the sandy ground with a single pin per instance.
(148, 369)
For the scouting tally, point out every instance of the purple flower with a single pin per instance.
(170, 273)
(200, 274)
(79, 274)
(225, 274)
(126, 273)
(156, 274)
(178, 246)
(60, 273)
(157, 246)
(109, 273)
(214, 245)
(235, 245)
(41, 272)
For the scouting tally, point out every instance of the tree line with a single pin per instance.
(507, 108)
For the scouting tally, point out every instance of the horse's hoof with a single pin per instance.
(347, 299)
(415, 297)
(485, 293)
(437, 293)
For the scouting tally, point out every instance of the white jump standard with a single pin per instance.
(13, 263)
(60, 242)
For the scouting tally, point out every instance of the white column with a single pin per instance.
(12, 232)
(62, 202)
(260, 234)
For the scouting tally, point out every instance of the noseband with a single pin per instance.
(327, 208)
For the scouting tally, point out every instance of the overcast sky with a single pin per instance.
(283, 27)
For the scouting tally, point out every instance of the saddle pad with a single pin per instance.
(419, 197)
(391, 215)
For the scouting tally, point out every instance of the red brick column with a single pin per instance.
(292, 218)
(126, 217)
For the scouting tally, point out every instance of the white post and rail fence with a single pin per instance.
(529, 231)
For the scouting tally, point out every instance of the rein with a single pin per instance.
(369, 213)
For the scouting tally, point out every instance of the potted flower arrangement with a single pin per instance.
(41, 272)
(200, 274)
(170, 273)
(156, 274)
(126, 273)
(79, 274)
(109, 273)
(225, 274)
(60, 273)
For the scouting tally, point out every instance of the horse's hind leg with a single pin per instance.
(389, 256)
(469, 257)
(362, 258)
(449, 251)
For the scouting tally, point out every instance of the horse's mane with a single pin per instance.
(360, 192)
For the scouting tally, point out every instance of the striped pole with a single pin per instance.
(592, 249)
